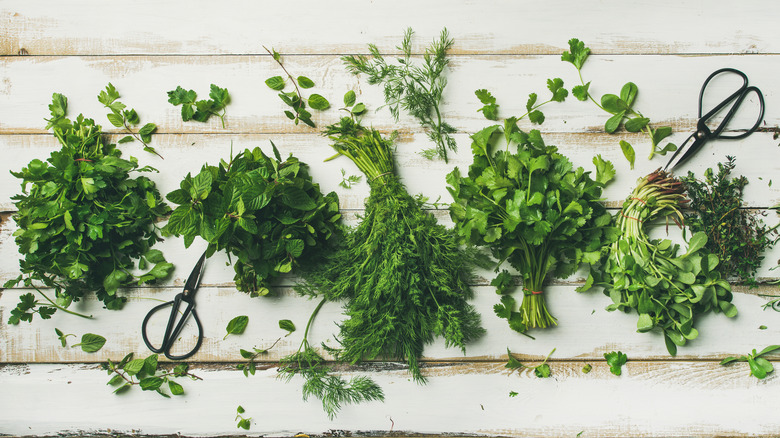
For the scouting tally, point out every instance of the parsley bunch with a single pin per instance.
(533, 210)
(83, 221)
(404, 277)
(667, 289)
(738, 237)
(265, 211)
(417, 89)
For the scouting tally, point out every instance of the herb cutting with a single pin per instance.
(84, 223)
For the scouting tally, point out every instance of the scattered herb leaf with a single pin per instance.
(146, 374)
(236, 326)
(759, 366)
(287, 325)
(616, 360)
(63, 337)
(200, 110)
(586, 369)
(121, 117)
(250, 367)
(90, 342)
(243, 423)
(541, 371)
(295, 99)
(348, 181)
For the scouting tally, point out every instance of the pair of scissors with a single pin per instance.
(703, 132)
(173, 329)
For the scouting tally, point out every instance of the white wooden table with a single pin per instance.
(145, 48)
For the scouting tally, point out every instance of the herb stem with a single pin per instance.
(60, 307)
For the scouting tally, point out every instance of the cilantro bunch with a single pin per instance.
(533, 210)
(264, 211)
(404, 277)
(83, 221)
(667, 289)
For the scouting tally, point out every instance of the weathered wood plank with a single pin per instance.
(585, 330)
(186, 153)
(650, 399)
(665, 96)
(197, 27)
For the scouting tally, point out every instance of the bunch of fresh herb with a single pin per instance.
(533, 210)
(668, 290)
(759, 366)
(266, 212)
(417, 89)
(404, 277)
(295, 99)
(616, 360)
(200, 110)
(738, 237)
(541, 371)
(146, 374)
(621, 107)
(125, 118)
(319, 380)
(83, 221)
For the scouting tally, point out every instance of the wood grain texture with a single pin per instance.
(146, 48)
(506, 27)
(585, 330)
(665, 96)
(650, 399)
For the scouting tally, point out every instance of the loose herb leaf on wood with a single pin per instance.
(616, 360)
(90, 342)
(295, 99)
(236, 326)
(621, 107)
(738, 237)
(416, 88)
(83, 221)
(320, 381)
(243, 423)
(542, 370)
(759, 366)
(121, 117)
(200, 110)
(249, 367)
(265, 211)
(146, 374)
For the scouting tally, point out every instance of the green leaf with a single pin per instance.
(581, 92)
(768, 350)
(613, 123)
(134, 367)
(613, 104)
(237, 325)
(161, 270)
(636, 124)
(615, 360)
(697, 242)
(605, 171)
(286, 325)
(628, 94)
(175, 388)
(349, 98)
(275, 83)
(201, 185)
(151, 383)
(318, 102)
(577, 53)
(756, 369)
(298, 199)
(305, 82)
(644, 323)
(555, 86)
(628, 152)
(91, 342)
(126, 139)
(116, 120)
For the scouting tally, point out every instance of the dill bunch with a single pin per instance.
(737, 236)
(417, 89)
(404, 277)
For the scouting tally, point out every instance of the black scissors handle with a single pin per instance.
(737, 97)
(174, 328)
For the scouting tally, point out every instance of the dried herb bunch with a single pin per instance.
(736, 235)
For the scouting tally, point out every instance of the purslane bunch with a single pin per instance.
(667, 289)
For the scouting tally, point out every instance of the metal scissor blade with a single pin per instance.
(197, 272)
(683, 152)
